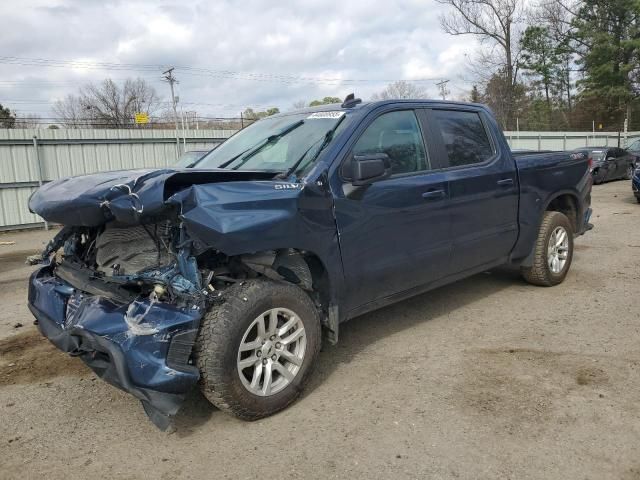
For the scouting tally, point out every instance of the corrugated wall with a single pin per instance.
(62, 153)
(566, 140)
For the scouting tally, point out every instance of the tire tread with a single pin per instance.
(214, 336)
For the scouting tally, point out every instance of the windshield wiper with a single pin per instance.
(325, 141)
(251, 151)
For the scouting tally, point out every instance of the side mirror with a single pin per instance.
(366, 169)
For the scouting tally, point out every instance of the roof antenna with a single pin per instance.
(351, 101)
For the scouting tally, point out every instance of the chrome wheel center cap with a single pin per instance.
(268, 349)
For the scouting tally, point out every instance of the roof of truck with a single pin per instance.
(370, 105)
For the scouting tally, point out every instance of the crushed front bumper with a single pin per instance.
(153, 367)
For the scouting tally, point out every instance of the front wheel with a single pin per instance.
(553, 251)
(256, 350)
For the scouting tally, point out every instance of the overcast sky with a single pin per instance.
(247, 53)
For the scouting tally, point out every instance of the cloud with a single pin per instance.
(255, 53)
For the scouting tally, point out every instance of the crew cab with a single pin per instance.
(229, 274)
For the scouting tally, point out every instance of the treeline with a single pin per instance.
(556, 65)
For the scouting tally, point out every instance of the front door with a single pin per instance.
(394, 233)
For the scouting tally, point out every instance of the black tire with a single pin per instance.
(540, 273)
(222, 331)
(596, 177)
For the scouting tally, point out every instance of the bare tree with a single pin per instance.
(400, 89)
(108, 104)
(493, 22)
(299, 104)
(69, 111)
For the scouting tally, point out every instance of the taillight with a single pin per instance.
(590, 162)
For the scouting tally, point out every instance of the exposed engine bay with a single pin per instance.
(156, 261)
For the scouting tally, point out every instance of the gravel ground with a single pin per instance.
(486, 378)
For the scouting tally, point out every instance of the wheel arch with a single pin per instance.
(314, 277)
(566, 202)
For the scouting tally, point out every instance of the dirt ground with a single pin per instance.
(486, 378)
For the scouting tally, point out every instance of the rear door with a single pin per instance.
(394, 233)
(483, 188)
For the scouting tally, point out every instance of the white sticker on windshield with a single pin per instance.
(334, 114)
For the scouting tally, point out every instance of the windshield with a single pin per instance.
(275, 143)
(597, 155)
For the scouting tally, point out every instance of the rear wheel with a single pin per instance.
(553, 251)
(257, 349)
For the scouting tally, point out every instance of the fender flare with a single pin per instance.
(528, 260)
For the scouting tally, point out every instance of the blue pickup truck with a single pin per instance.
(229, 273)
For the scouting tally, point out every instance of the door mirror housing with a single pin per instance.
(366, 169)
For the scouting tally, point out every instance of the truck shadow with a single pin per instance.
(360, 332)
(363, 331)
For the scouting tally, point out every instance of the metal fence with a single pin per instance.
(568, 140)
(29, 158)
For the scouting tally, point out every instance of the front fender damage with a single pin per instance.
(135, 323)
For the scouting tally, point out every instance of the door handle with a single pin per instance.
(433, 194)
(505, 182)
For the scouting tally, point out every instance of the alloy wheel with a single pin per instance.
(558, 249)
(271, 352)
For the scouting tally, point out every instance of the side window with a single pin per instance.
(398, 135)
(464, 136)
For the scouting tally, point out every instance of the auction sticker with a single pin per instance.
(334, 114)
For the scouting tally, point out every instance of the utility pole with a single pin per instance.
(168, 77)
(442, 86)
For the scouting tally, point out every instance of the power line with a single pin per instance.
(194, 71)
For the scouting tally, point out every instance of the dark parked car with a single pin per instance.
(634, 147)
(228, 274)
(635, 183)
(610, 163)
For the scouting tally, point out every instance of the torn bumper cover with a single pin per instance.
(154, 366)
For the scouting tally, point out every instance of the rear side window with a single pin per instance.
(465, 138)
(398, 135)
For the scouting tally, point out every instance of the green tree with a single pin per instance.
(539, 59)
(251, 114)
(7, 117)
(607, 39)
(325, 101)
(507, 101)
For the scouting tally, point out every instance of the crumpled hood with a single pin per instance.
(127, 196)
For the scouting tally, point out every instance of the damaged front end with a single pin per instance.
(128, 301)
(144, 255)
